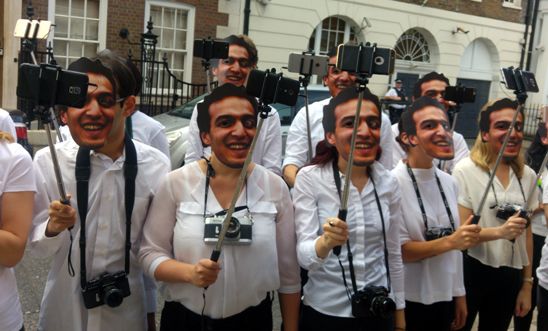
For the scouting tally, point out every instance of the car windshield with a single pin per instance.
(185, 110)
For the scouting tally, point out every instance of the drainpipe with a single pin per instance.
(247, 12)
(532, 38)
(526, 33)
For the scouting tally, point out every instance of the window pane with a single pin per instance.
(180, 40)
(75, 49)
(156, 15)
(76, 28)
(59, 48)
(167, 38)
(93, 9)
(169, 18)
(323, 43)
(333, 23)
(182, 19)
(77, 8)
(61, 27)
(92, 30)
(178, 61)
(90, 49)
(61, 7)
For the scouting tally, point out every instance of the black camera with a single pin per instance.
(276, 88)
(460, 94)
(372, 301)
(366, 59)
(437, 232)
(239, 231)
(36, 82)
(210, 49)
(517, 79)
(505, 211)
(109, 289)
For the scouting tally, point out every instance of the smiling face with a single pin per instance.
(337, 80)
(368, 134)
(235, 68)
(435, 89)
(233, 124)
(499, 123)
(433, 133)
(100, 124)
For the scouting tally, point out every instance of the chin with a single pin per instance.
(445, 157)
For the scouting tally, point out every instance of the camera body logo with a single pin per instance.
(74, 90)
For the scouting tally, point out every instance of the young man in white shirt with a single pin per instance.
(296, 147)
(242, 58)
(433, 85)
(76, 296)
(430, 234)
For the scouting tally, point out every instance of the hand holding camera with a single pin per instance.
(61, 217)
(513, 227)
(204, 273)
(465, 236)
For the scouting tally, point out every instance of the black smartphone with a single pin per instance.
(210, 49)
(460, 94)
(287, 89)
(308, 64)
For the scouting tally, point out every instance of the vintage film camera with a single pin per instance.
(437, 232)
(109, 289)
(372, 301)
(239, 230)
(506, 210)
(366, 59)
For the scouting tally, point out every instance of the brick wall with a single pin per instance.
(485, 8)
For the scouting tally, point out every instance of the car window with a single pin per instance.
(185, 110)
(287, 113)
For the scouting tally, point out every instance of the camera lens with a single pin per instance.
(113, 297)
(233, 230)
(382, 306)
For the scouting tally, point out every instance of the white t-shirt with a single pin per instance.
(296, 146)
(6, 123)
(393, 93)
(105, 237)
(461, 151)
(472, 181)
(438, 278)
(268, 149)
(175, 230)
(315, 198)
(16, 175)
(542, 271)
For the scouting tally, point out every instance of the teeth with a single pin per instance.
(91, 127)
(238, 146)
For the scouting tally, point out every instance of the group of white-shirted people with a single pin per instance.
(404, 255)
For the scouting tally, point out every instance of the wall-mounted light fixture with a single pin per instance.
(459, 29)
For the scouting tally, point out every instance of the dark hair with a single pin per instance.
(113, 67)
(349, 93)
(407, 122)
(427, 78)
(485, 122)
(136, 75)
(325, 152)
(245, 42)
(218, 94)
(536, 152)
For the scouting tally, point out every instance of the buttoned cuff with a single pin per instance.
(313, 262)
(42, 245)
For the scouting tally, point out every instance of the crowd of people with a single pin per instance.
(406, 253)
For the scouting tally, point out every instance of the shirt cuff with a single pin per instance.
(399, 298)
(290, 289)
(291, 160)
(42, 245)
(154, 265)
(313, 262)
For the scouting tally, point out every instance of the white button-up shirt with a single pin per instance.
(315, 199)
(268, 149)
(296, 146)
(175, 230)
(62, 306)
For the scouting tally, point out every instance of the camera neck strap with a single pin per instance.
(421, 205)
(83, 172)
(337, 178)
(520, 188)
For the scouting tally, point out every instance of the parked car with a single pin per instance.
(176, 122)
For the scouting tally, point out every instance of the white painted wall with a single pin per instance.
(12, 11)
(284, 26)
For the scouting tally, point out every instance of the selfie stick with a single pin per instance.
(305, 80)
(49, 118)
(264, 110)
(343, 210)
(477, 214)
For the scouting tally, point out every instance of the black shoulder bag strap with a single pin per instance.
(83, 173)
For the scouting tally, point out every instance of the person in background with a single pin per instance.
(396, 94)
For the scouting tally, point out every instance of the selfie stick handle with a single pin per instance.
(308, 133)
(477, 213)
(217, 251)
(205, 63)
(343, 210)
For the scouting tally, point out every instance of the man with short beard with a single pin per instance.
(242, 58)
(433, 85)
(498, 270)
(296, 147)
(430, 234)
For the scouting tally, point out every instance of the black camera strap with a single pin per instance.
(337, 178)
(83, 173)
(520, 188)
(421, 205)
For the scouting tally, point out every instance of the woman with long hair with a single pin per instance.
(16, 204)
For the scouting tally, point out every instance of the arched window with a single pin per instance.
(412, 46)
(331, 32)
